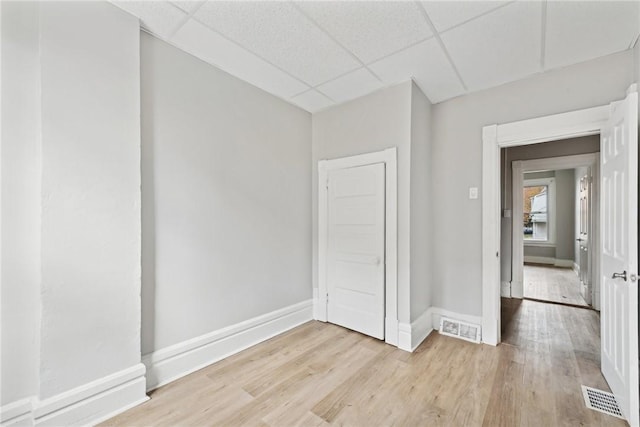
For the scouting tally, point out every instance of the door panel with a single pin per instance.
(583, 238)
(619, 300)
(355, 248)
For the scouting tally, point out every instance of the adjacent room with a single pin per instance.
(313, 213)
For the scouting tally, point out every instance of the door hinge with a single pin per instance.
(633, 277)
(327, 298)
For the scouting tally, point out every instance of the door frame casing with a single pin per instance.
(519, 167)
(495, 137)
(389, 158)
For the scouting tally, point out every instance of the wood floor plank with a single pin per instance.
(321, 375)
(550, 283)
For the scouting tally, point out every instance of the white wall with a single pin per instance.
(226, 199)
(90, 193)
(457, 160)
(21, 201)
(421, 205)
(371, 123)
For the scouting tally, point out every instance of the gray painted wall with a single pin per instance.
(457, 161)
(567, 147)
(565, 214)
(226, 199)
(420, 203)
(90, 86)
(20, 262)
(71, 176)
(371, 123)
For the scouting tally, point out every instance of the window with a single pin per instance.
(537, 221)
(535, 213)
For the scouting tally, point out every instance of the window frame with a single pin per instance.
(550, 183)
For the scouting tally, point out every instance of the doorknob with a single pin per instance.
(622, 275)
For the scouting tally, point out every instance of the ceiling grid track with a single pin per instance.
(543, 35)
(366, 55)
(346, 73)
(436, 35)
(186, 19)
(253, 53)
(353, 55)
(476, 17)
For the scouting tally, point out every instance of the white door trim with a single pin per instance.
(519, 167)
(388, 157)
(494, 137)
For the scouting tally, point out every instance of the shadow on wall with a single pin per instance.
(148, 293)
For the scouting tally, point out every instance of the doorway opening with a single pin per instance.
(553, 210)
(617, 262)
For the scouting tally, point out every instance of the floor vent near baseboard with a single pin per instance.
(458, 329)
(601, 401)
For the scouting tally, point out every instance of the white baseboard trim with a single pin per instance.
(95, 401)
(410, 336)
(391, 332)
(319, 306)
(564, 263)
(505, 289)
(316, 304)
(17, 413)
(517, 289)
(539, 259)
(176, 361)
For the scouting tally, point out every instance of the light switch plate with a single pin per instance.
(473, 192)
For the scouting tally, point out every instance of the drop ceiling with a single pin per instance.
(317, 54)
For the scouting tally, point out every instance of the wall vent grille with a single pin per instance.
(601, 401)
(458, 329)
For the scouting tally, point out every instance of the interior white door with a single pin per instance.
(619, 220)
(583, 238)
(355, 248)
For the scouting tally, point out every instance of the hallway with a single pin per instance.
(554, 284)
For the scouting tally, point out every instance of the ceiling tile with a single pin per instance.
(446, 14)
(278, 32)
(499, 47)
(370, 29)
(159, 17)
(350, 86)
(579, 31)
(427, 64)
(209, 46)
(312, 101)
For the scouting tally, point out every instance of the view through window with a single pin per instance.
(535, 224)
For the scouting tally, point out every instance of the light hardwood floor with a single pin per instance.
(552, 284)
(320, 374)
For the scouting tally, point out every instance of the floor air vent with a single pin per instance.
(458, 329)
(601, 401)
